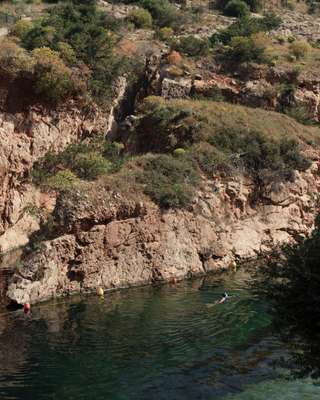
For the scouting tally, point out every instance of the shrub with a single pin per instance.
(281, 39)
(87, 32)
(258, 154)
(141, 18)
(246, 26)
(169, 181)
(90, 165)
(53, 78)
(13, 59)
(192, 46)
(86, 161)
(21, 28)
(253, 5)
(244, 49)
(236, 8)
(300, 49)
(162, 11)
(63, 180)
(67, 53)
(209, 158)
(165, 33)
(300, 113)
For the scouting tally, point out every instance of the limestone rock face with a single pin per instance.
(114, 242)
(25, 137)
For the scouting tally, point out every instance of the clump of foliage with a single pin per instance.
(21, 28)
(14, 60)
(300, 48)
(246, 26)
(289, 279)
(167, 126)
(141, 18)
(84, 37)
(163, 12)
(53, 80)
(169, 181)
(165, 34)
(236, 8)
(62, 180)
(253, 5)
(192, 46)
(83, 161)
(246, 49)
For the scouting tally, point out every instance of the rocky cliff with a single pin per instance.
(114, 242)
(27, 133)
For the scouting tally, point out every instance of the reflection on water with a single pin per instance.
(170, 342)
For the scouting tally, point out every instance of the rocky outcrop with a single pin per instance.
(114, 242)
(253, 85)
(25, 137)
(301, 26)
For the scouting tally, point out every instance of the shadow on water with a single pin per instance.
(168, 342)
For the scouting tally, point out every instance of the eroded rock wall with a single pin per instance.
(25, 137)
(115, 242)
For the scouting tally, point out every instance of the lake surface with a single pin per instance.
(170, 342)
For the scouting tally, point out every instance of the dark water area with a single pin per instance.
(169, 342)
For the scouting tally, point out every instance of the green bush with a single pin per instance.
(21, 28)
(165, 33)
(169, 181)
(300, 49)
(14, 60)
(90, 165)
(53, 79)
(245, 49)
(259, 154)
(253, 5)
(246, 26)
(85, 161)
(291, 39)
(141, 18)
(162, 11)
(210, 159)
(82, 33)
(192, 46)
(236, 8)
(62, 180)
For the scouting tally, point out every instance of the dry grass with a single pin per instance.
(308, 65)
(219, 115)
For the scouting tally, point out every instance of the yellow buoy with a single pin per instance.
(100, 291)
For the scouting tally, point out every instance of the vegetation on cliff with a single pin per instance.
(175, 142)
(289, 279)
(69, 51)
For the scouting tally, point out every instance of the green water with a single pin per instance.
(170, 342)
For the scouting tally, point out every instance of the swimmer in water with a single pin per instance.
(224, 298)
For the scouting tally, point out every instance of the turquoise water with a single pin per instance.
(169, 342)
